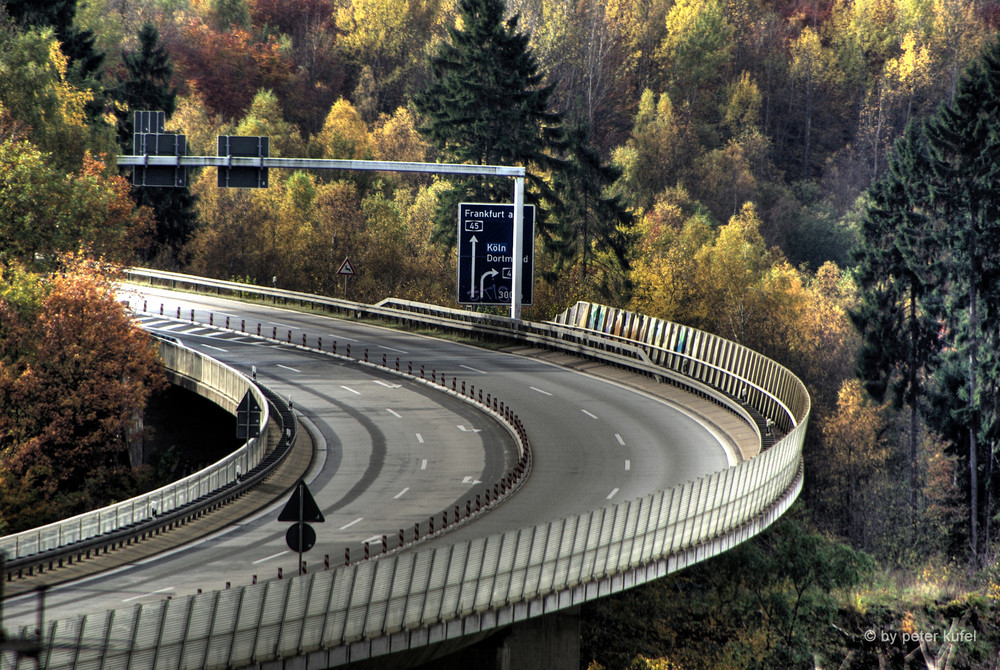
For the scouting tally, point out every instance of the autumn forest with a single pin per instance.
(815, 179)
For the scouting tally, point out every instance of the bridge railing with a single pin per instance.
(411, 599)
(223, 385)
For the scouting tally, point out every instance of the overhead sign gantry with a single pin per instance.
(247, 159)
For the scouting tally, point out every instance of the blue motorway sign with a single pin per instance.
(485, 253)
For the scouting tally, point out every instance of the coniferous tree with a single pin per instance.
(895, 273)
(965, 194)
(591, 229)
(147, 86)
(935, 229)
(485, 105)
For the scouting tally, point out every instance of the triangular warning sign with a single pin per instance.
(301, 507)
(346, 268)
(248, 418)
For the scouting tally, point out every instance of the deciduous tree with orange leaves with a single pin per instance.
(75, 374)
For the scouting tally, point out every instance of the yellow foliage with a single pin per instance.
(345, 134)
(395, 138)
(641, 662)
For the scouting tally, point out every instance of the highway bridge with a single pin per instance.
(467, 490)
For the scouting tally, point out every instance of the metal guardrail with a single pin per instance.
(408, 600)
(145, 514)
(744, 386)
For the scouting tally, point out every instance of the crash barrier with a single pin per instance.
(80, 536)
(407, 600)
(701, 369)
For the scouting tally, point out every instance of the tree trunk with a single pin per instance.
(973, 425)
(912, 391)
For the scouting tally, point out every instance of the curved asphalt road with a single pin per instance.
(390, 452)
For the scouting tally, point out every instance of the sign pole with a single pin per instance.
(518, 249)
(302, 514)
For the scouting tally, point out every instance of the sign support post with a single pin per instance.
(518, 249)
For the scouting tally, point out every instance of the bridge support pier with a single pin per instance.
(548, 642)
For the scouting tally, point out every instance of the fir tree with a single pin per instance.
(965, 193)
(485, 105)
(147, 86)
(591, 229)
(895, 271)
(932, 268)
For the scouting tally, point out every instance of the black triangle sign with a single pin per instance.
(301, 507)
(248, 418)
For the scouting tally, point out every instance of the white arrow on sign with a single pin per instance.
(482, 280)
(472, 274)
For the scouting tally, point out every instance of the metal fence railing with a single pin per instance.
(409, 599)
(227, 387)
